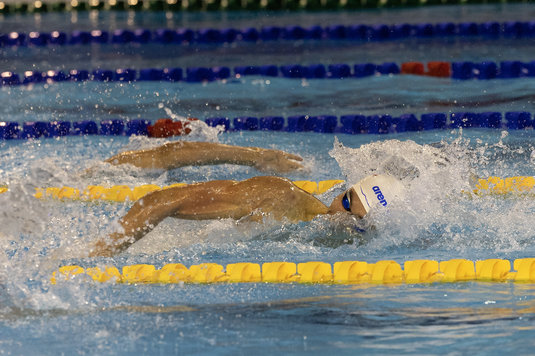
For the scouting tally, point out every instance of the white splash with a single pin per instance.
(438, 206)
(200, 131)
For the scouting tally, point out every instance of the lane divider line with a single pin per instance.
(346, 124)
(316, 272)
(517, 185)
(461, 70)
(213, 36)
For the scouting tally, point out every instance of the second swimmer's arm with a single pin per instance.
(181, 202)
(185, 153)
(145, 214)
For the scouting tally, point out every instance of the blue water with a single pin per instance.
(438, 222)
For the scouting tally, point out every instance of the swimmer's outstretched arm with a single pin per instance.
(195, 202)
(184, 153)
(220, 199)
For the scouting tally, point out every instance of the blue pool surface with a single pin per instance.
(437, 221)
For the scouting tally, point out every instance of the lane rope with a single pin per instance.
(517, 185)
(347, 124)
(345, 272)
(214, 36)
(463, 70)
(122, 193)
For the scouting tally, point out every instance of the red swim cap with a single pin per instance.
(168, 127)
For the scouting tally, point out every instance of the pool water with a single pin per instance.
(436, 222)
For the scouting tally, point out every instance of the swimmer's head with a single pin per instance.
(372, 192)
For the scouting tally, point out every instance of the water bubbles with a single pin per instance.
(532, 157)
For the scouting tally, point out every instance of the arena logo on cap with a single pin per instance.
(380, 195)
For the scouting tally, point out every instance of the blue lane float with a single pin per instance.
(466, 70)
(456, 70)
(38, 129)
(213, 36)
(378, 124)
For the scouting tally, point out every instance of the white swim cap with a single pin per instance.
(379, 190)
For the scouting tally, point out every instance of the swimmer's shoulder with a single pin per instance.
(257, 184)
(271, 183)
(282, 198)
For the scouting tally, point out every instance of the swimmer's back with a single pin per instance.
(275, 196)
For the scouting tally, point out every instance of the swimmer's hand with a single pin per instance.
(277, 161)
(101, 249)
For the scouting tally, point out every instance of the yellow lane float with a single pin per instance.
(519, 185)
(345, 272)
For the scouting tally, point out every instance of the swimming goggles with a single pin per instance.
(346, 200)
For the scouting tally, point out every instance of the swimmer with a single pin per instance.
(186, 153)
(250, 199)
